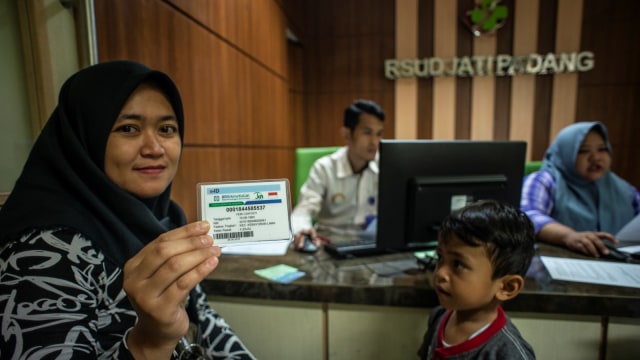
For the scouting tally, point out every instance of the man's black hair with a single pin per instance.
(504, 230)
(353, 111)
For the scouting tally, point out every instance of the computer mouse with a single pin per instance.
(614, 253)
(308, 246)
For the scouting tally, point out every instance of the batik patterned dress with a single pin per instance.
(61, 299)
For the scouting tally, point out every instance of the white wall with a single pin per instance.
(58, 34)
(15, 134)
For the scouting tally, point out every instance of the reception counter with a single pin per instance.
(395, 281)
(371, 281)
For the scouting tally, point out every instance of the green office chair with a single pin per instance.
(305, 157)
(532, 166)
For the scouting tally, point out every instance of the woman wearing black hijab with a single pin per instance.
(96, 261)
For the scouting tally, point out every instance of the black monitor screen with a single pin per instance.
(422, 181)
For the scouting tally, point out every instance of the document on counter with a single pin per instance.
(629, 237)
(247, 217)
(593, 271)
(262, 248)
(630, 232)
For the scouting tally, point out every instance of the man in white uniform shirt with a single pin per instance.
(341, 192)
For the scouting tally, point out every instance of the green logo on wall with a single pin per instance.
(487, 17)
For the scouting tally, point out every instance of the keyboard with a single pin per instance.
(357, 247)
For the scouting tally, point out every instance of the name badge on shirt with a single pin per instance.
(338, 198)
(244, 212)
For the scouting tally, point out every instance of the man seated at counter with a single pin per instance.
(342, 188)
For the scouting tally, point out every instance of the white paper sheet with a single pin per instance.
(269, 248)
(593, 271)
(630, 232)
(632, 249)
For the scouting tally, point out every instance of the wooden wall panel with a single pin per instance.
(521, 90)
(425, 86)
(345, 45)
(565, 86)
(295, 67)
(340, 18)
(406, 90)
(229, 98)
(249, 90)
(348, 64)
(298, 119)
(530, 110)
(295, 54)
(294, 11)
(547, 18)
(464, 85)
(502, 106)
(610, 29)
(444, 33)
(236, 95)
(254, 27)
(226, 164)
(610, 92)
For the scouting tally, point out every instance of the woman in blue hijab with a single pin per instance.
(575, 200)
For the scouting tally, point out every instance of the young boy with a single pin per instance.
(484, 251)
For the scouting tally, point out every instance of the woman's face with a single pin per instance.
(593, 159)
(143, 148)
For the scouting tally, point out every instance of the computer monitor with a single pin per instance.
(422, 181)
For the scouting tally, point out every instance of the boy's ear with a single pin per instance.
(510, 287)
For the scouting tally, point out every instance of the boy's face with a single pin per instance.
(462, 278)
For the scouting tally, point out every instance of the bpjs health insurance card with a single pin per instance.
(244, 212)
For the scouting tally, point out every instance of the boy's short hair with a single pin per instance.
(353, 111)
(504, 230)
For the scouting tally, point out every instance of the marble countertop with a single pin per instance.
(396, 280)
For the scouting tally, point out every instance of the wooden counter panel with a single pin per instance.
(353, 281)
